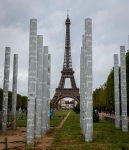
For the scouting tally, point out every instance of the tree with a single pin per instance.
(77, 108)
(103, 97)
(9, 100)
(53, 105)
(99, 98)
(96, 102)
(19, 101)
(24, 101)
(110, 91)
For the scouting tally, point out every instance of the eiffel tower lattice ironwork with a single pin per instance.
(67, 72)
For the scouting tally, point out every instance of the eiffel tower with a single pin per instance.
(67, 72)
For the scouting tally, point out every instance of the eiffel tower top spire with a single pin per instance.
(67, 13)
(67, 55)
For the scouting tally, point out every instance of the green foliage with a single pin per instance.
(103, 97)
(110, 91)
(99, 100)
(24, 100)
(53, 105)
(21, 100)
(77, 108)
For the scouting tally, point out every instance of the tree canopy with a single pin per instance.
(103, 97)
(21, 100)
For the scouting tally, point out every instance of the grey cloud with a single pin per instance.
(110, 30)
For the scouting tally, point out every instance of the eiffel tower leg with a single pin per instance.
(62, 82)
(73, 84)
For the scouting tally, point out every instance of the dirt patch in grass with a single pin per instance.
(16, 139)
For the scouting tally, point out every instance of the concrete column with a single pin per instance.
(39, 85)
(82, 74)
(116, 91)
(5, 88)
(88, 81)
(32, 81)
(14, 89)
(48, 91)
(81, 89)
(45, 75)
(123, 89)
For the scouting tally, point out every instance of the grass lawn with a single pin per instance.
(105, 136)
(58, 117)
(55, 121)
(22, 122)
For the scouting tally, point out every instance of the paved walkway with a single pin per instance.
(102, 115)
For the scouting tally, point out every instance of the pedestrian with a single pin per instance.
(20, 113)
(51, 113)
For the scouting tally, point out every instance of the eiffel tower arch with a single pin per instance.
(67, 72)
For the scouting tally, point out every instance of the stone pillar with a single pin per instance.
(116, 91)
(88, 81)
(32, 81)
(81, 89)
(39, 88)
(82, 94)
(14, 89)
(123, 89)
(5, 88)
(45, 75)
(48, 91)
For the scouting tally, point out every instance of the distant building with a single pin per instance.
(66, 104)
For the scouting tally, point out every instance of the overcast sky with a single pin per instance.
(110, 29)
